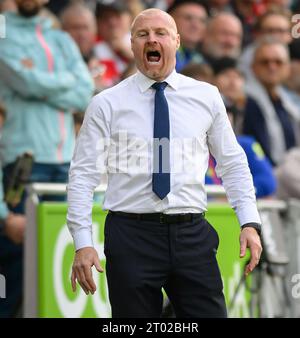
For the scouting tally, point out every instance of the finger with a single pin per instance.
(243, 247)
(86, 291)
(73, 280)
(82, 280)
(89, 279)
(97, 265)
(254, 260)
(247, 270)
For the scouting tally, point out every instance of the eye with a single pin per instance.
(141, 34)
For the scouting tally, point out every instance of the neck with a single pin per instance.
(272, 91)
(158, 78)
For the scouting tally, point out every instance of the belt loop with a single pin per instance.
(161, 218)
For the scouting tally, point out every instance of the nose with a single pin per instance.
(152, 38)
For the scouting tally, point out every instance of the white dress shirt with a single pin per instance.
(117, 138)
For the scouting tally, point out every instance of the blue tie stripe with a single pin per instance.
(161, 147)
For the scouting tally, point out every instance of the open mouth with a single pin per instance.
(153, 56)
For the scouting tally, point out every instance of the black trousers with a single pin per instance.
(142, 257)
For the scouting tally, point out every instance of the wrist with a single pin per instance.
(255, 226)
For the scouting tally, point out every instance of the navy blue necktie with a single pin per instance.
(161, 145)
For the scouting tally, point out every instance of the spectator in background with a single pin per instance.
(12, 225)
(161, 4)
(270, 116)
(248, 11)
(43, 79)
(218, 6)
(292, 84)
(113, 50)
(231, 84)
(56, 6)
(134, 7)
(275, 23)
(223, 37)
(8, 5)
(79, 21)
(284, 4)
(191, 18)
(288, 175)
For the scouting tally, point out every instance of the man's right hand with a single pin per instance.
(14, 227)
(84, 259)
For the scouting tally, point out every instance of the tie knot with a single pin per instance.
(159, 85)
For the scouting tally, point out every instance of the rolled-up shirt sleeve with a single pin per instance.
(232, 165)
(87, 168)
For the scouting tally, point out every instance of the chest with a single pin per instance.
(189, 116)
(46, 51)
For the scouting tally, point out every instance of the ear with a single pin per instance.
(178, 41)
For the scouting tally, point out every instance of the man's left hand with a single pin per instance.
(249, 238)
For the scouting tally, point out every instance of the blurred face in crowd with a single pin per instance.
(113, 24)
(280, 3)
(81, 25)
(278, 26)
(224, 36)
(8, 5)
(154, 41)
(271, 65)
(245, 7)
(230, 82)
(191, 23)
(30, 8)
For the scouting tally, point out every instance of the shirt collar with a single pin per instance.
(144, 82)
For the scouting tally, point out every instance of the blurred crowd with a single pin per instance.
(58, 53)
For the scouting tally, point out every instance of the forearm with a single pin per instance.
(85, 174)
(238, 184)
(75, 99)
(79, 220)
(33, 83)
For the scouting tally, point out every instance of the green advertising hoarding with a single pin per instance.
(56, 252)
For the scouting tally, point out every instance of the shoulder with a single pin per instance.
(190, 82)
(199, 90)
(60, 35)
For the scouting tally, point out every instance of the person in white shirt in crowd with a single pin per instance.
(156, 234)
(271, 117)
